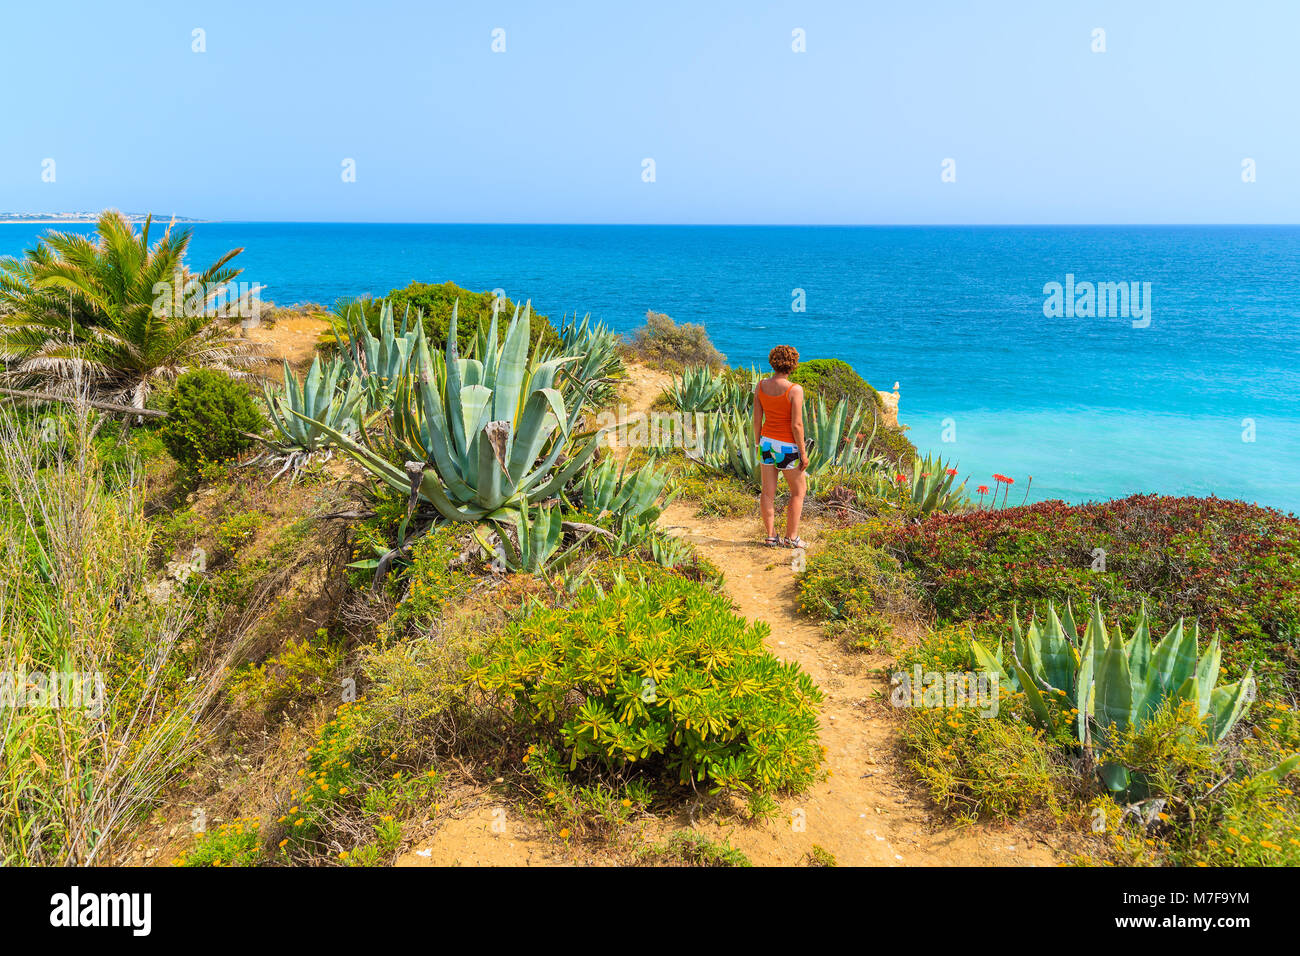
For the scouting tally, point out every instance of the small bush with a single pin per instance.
(717, 496)
(979, 767)
(893, 444)
(435, 301)
(831, 380)
(298, 671)
(210, 412)
(854, 585)
(352, 794)
(664, 674)
(432, 584)
(688, 848)
(232, 844)
(662, 343)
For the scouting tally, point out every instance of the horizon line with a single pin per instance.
(190, 220)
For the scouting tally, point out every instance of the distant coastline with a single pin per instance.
(79, 218)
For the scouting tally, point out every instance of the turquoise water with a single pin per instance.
(1090, 407)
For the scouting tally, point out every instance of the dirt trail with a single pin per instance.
(867, 812)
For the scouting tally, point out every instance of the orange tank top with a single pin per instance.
(776, 414)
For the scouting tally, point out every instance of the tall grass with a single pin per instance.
(75, 774)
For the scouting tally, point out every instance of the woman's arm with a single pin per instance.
(796, 424)
(758, 416)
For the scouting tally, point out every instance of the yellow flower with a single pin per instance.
(564, 834)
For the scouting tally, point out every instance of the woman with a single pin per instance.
(778, 433)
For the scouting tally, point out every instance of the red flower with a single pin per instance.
(900, 478)
(983, 489)
(1010, 481)
(952, 472)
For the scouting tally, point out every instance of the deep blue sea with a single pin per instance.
(1203, 400)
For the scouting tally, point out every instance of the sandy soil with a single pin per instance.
(293, 337)
(867, 812)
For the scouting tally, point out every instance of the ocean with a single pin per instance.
(1182, 378)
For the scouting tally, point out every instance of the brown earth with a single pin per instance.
(290, 336)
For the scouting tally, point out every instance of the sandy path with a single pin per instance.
(867, 812)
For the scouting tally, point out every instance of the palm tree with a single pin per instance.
(98, 312)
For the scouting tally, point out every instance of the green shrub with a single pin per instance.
(435, 301)
(602, 807)
(232, 844)
(432, 584)
(662, 343)
(833, 379)
(352, 793)
(688, 848)
(854, 585)
(717, 496)
(299, 670)
(976, 767)
(210, 414)
(893, 444)
(661, 673)
(1232, 566)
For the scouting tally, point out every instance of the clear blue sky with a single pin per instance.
(742, 129)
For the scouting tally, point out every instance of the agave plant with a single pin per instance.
(738, 391)
(698, 389)
(932, 486)
(479, 434)
(1113, 683)
(634, 496)
(836, 437)
(538, 539)
(302, 417)
(598, 363)
(380, 362)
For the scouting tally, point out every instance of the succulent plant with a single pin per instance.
(932, 486)
(535, 541)
(598, 363)
(697, 389)
(1115, 684)
(304, 419)
(380, 362)
(605, 489)
(479, 435)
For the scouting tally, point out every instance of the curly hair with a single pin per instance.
(783, 358)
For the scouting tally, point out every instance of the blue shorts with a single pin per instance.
(780, 454)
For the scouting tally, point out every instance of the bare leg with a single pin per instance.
(767, 500)
(797, 481)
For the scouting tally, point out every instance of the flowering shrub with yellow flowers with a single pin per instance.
(663, 673)
(348, 801)
(232, 844)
